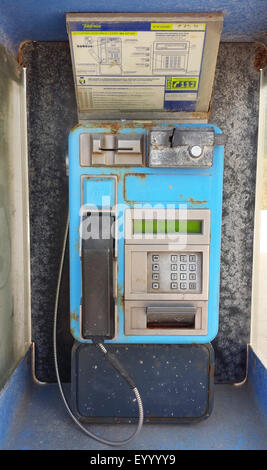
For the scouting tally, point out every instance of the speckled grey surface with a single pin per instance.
(235, 111)
(51, 115)
(52, 112)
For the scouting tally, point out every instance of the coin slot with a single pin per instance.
(180, 317)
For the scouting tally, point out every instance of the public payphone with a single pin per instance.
(145, 180)
(145, 220)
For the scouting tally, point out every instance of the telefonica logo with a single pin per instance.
(91, 26)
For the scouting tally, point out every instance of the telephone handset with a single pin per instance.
(97, 255)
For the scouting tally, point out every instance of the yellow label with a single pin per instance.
(104, 33)
(178, 26)
(182, 83)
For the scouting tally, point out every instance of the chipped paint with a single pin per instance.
(77, 126)
(192, 201)
(74, 315)
(141, 176)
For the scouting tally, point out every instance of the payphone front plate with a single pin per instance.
(130, 187)
(161, 371)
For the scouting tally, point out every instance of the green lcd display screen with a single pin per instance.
(166, 226)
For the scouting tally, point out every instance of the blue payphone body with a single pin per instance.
(145, 231)
(145, 199)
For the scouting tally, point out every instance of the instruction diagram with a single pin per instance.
(106, 53)
(168, 56)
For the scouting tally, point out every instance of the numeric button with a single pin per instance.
(192, 267)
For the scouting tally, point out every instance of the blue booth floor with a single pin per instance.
(40, 422)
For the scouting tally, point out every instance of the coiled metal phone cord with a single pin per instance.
(108, 355)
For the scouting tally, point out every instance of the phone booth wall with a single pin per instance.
(119, 119)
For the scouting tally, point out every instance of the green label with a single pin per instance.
(182, 83)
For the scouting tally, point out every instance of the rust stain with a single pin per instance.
(113, 126)
(142, 177)
(120, 297)
(20, 51)
(77, 126)
(139, 124)
(116, 175)
(74, 316)
(196, 202)
(117, 126)
(260, 59)
(139, 175)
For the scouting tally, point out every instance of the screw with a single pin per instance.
(195, 151)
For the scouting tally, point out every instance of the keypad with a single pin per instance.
(175, 272)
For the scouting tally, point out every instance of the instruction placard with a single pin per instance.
(137, 65)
